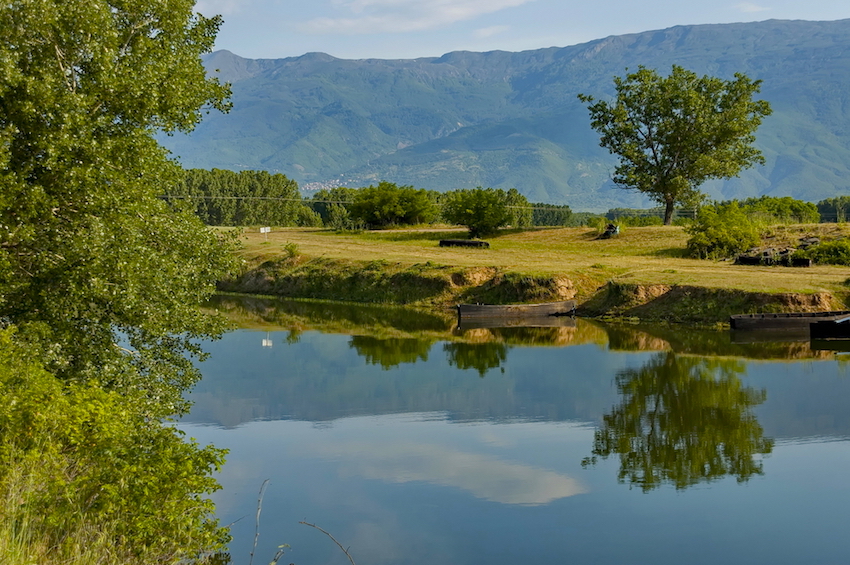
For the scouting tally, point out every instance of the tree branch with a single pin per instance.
(345, 551)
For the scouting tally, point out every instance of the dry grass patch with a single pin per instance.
(640, 255)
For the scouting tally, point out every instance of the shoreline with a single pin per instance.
(428, 285)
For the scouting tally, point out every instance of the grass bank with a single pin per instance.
(643, 273)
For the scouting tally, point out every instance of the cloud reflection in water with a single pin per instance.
(483, 476)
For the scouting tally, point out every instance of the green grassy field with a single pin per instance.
(640, 255)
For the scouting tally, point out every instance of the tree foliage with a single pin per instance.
(673, 133)
(334, 204)
(835, 209)
(784, 210)
(247, 198)
(521, 215)
(80, 459)
(88, 252)
(101, 278)
(836, 252)
(722, 230)
(391, 205)
(543, 214)
(485, 210)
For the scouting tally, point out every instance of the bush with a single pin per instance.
(80, 461)
(340, 219)
(722, 230)
(580, 219)
(828, 253)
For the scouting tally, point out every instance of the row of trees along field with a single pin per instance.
(227, 198)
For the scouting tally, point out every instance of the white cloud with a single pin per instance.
(382, 16)
(749, 8)
(485, 32)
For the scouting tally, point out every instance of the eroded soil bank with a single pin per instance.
(429, 285)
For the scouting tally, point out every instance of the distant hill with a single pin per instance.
(505, 119)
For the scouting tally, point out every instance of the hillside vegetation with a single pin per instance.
(505, 120)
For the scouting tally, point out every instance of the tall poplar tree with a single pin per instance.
(673, 133)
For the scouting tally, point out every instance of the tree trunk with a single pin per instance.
(668, 212)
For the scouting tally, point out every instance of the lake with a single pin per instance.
(414, 442)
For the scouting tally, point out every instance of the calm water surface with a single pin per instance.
(415, 443)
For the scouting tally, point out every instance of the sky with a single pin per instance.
(407, 29)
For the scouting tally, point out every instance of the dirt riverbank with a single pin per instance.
(430, 285)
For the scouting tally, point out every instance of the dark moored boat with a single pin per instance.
(838, 328)
(479, 311)
(782, 321)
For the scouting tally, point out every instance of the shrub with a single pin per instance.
(580, 219)
(340, 219)
(828, 253)
(80, 460)
(722, 230)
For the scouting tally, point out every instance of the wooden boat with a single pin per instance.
(478, 311)
(782, 321)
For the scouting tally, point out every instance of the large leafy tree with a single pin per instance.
(94, 266)
(484, 210)
(389, 204)
(673, 133)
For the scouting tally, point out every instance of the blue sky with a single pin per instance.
(403, 29)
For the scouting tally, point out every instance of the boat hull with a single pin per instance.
(782, 321)
(518, 311)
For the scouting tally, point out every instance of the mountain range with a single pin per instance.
(512, 119)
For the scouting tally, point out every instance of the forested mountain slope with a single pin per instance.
(506, 119)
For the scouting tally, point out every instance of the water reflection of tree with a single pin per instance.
(683, 420)
(390, 352)
(479, 356)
